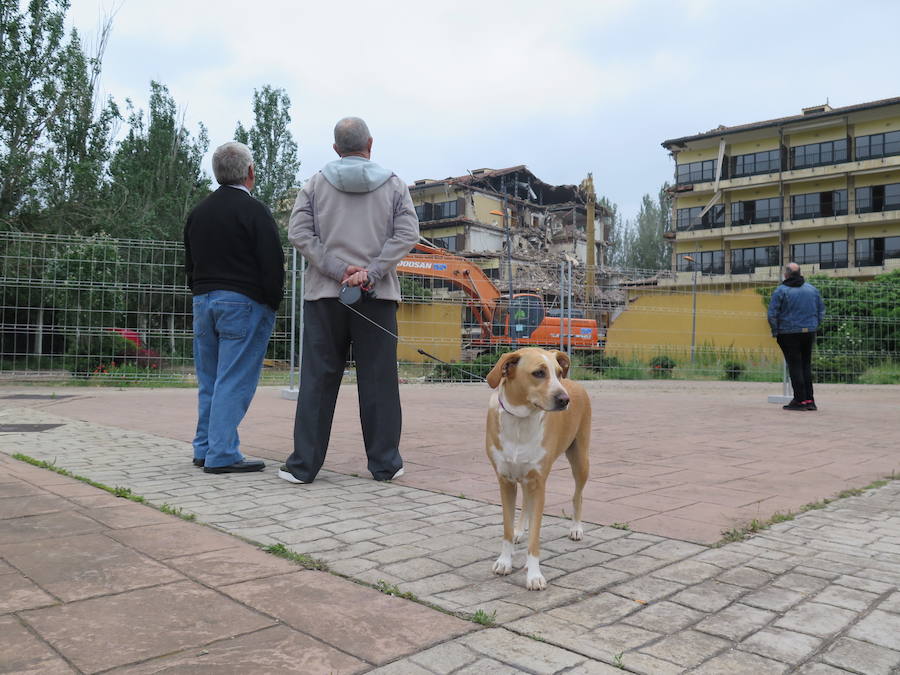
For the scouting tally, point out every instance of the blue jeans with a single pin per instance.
(231, 333)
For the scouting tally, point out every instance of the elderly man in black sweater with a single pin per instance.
(235, 268)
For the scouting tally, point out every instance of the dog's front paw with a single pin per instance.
(534, 580)
(576, 533)
(536, 583)
(503, 565)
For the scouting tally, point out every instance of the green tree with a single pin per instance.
(643, 243)
(48, 134)
(156, 177)
(274, 149)
(615, 255)
(87, 299)
(71, 170)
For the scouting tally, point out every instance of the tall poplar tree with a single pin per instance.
(155, 172)
(274, 149)
(52, 145)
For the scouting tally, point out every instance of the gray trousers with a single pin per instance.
(329, 330)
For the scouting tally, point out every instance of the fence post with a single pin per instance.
(786, 396)
(292, 391)
(570, 291)
(562, 304)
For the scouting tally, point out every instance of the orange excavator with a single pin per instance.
(522, 321)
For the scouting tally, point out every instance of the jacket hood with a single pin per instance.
(355, 174)
(794, 280)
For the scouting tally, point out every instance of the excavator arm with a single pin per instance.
(436, 263)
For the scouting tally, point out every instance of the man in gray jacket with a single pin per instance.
(796, 311)
(353, 222)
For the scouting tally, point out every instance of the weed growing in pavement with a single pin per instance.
(485, 619)
(177, 511)
(741, 533)
(127, 494)
(620, 526)
(618, 662)
(40, 463)
(51, 466)
(302, 559)
(393, 589)
(756, 525)
(535, 637)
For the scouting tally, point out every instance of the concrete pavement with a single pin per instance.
(97, 583)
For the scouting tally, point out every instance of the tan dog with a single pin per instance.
(534, 416)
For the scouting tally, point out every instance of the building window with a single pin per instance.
(455, 242)
(708, 262)
(755, 163)
(690, 219)
(696, 172)
(444, 210)
(438, 211)
(746, 260)
(876, 250)
(756, 211)
(878, 145)
(878, 198)
(826, 254)
(819, 154)
(819, 204)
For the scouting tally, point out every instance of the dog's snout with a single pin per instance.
(562, 401)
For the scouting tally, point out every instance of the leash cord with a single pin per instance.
(418, 349)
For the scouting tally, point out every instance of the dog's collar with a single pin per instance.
(505, 409)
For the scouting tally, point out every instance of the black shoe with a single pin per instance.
(244, 466)
(810, 405)
(199, 462)
(793, 405)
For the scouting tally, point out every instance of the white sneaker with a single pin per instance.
(284, 474)
(399, 473)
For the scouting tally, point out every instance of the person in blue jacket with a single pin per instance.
(796, 311)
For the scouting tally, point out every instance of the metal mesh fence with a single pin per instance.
(102, 310)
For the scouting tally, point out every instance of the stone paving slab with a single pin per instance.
(127, 593)
(808, 595)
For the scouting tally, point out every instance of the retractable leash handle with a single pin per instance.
(350, 295)
(353, 295)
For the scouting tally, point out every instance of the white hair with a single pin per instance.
(231, 163)
(351, 135)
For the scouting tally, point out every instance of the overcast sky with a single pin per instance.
(566, 87)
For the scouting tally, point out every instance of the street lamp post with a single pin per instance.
(693, 305)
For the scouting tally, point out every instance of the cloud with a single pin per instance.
(567, 86)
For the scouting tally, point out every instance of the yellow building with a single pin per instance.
(821, 189)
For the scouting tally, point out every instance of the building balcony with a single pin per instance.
(800, 175)
(800, 225)
(773, 275)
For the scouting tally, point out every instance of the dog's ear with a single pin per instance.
(505, 367)
(564, 361)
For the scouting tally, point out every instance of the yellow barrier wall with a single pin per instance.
(660, 322)
(436, 328)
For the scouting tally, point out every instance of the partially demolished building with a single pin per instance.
(509, 217)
